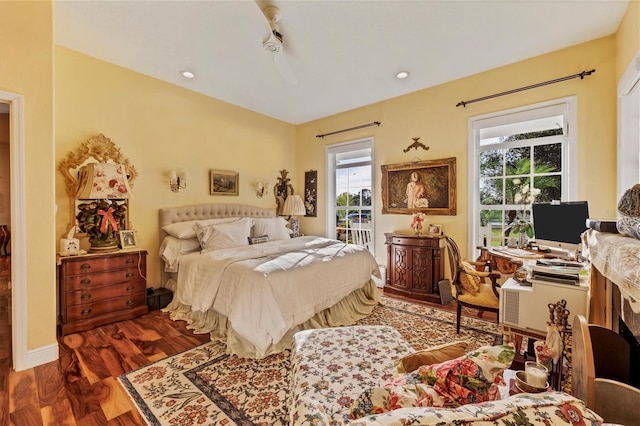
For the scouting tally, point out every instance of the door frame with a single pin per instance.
(18, 231)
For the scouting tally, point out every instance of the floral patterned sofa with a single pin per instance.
(332, 369)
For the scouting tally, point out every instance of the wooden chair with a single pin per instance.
(597, 353)
(361, 237)
(616, 402)
(464, 274)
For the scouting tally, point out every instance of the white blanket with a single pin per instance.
(266, 289)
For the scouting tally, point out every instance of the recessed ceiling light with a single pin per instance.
(402, 74)
(187, 74)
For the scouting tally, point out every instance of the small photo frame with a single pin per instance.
(223, 182)
(128, 239)
(434, 229)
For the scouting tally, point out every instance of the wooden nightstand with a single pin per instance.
(415, 265)
(101, 288)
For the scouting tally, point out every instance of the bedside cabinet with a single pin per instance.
(101, 288)
(415, 265)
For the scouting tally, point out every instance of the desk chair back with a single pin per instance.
(469, 284)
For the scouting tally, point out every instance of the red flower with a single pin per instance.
(572, 414)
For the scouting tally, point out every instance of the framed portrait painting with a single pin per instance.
(223, 182)
(422, 186)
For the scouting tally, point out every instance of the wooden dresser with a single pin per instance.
(97, 289)
(415, 265)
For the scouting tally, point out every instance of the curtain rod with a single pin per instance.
(582, 75)
(375, 123)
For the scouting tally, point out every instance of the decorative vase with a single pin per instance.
(523, 240)
(416, 229)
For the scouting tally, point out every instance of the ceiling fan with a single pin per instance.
(274, 46)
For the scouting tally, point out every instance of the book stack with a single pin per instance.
(559, 271)
(602, 225)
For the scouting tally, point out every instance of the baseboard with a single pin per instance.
(38, 356)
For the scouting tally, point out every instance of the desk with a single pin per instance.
(506, 260)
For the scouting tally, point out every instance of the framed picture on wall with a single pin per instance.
(422, 186)
(223, 182)
(310, 193)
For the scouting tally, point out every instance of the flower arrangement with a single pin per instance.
(416, 222)
(526, 195)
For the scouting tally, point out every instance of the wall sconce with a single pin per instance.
(177, 182)
(262, 188)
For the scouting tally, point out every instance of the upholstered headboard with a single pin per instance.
(206, 211)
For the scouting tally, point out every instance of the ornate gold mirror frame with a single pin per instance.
(96, 149)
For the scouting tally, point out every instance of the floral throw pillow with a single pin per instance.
(469, 379)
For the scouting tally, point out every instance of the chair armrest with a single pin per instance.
(495, 285)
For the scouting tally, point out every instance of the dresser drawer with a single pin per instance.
(90, 264)
(88, 311)
(85, 281)
(93, 295)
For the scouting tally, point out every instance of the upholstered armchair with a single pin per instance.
(473, 284)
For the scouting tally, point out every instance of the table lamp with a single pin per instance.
(294, 206)
(99, 184)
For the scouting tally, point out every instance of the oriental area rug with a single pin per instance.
(205, 386)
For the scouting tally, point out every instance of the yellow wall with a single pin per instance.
(160, 127)
(26, 68)
(628, 38)
(432, 115)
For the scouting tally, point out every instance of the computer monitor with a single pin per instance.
(558, 226)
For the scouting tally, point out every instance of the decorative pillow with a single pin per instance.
(225, 235)
(469, 379)
(470, 283)
(258, 240)
(274, 227)
(187, 230)
(433, 355)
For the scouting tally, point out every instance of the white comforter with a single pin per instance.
(266, 289)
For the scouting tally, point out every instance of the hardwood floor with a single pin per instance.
(81, 387)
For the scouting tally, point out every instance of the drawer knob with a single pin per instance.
(129, 261)
(130, 288)
(85, 266)
(86, 312)
(85, 281)
(129, 275)
(85, 297)
(130, 302)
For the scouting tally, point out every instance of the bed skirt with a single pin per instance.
(357, 305)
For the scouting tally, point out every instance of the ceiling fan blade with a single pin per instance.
(285, 69)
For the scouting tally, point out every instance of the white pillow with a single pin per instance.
(186, 229)
(172, 247)
(225, 235)
(274, 227)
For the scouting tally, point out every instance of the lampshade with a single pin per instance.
(102, 181)
(293, 206)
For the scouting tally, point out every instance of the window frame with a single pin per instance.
(330, 166)
(564, 106)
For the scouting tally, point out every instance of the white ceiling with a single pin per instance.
(345, 54)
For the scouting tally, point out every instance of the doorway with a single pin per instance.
(6, 362)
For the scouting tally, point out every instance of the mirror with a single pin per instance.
(97, 149)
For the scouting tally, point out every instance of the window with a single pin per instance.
(514, 151)
(349, 185)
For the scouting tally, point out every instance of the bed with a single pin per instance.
(237, 274)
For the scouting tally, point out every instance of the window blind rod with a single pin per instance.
(582, 75)
(375, 123)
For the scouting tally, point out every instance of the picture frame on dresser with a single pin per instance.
(128, 239)
(421, 186)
